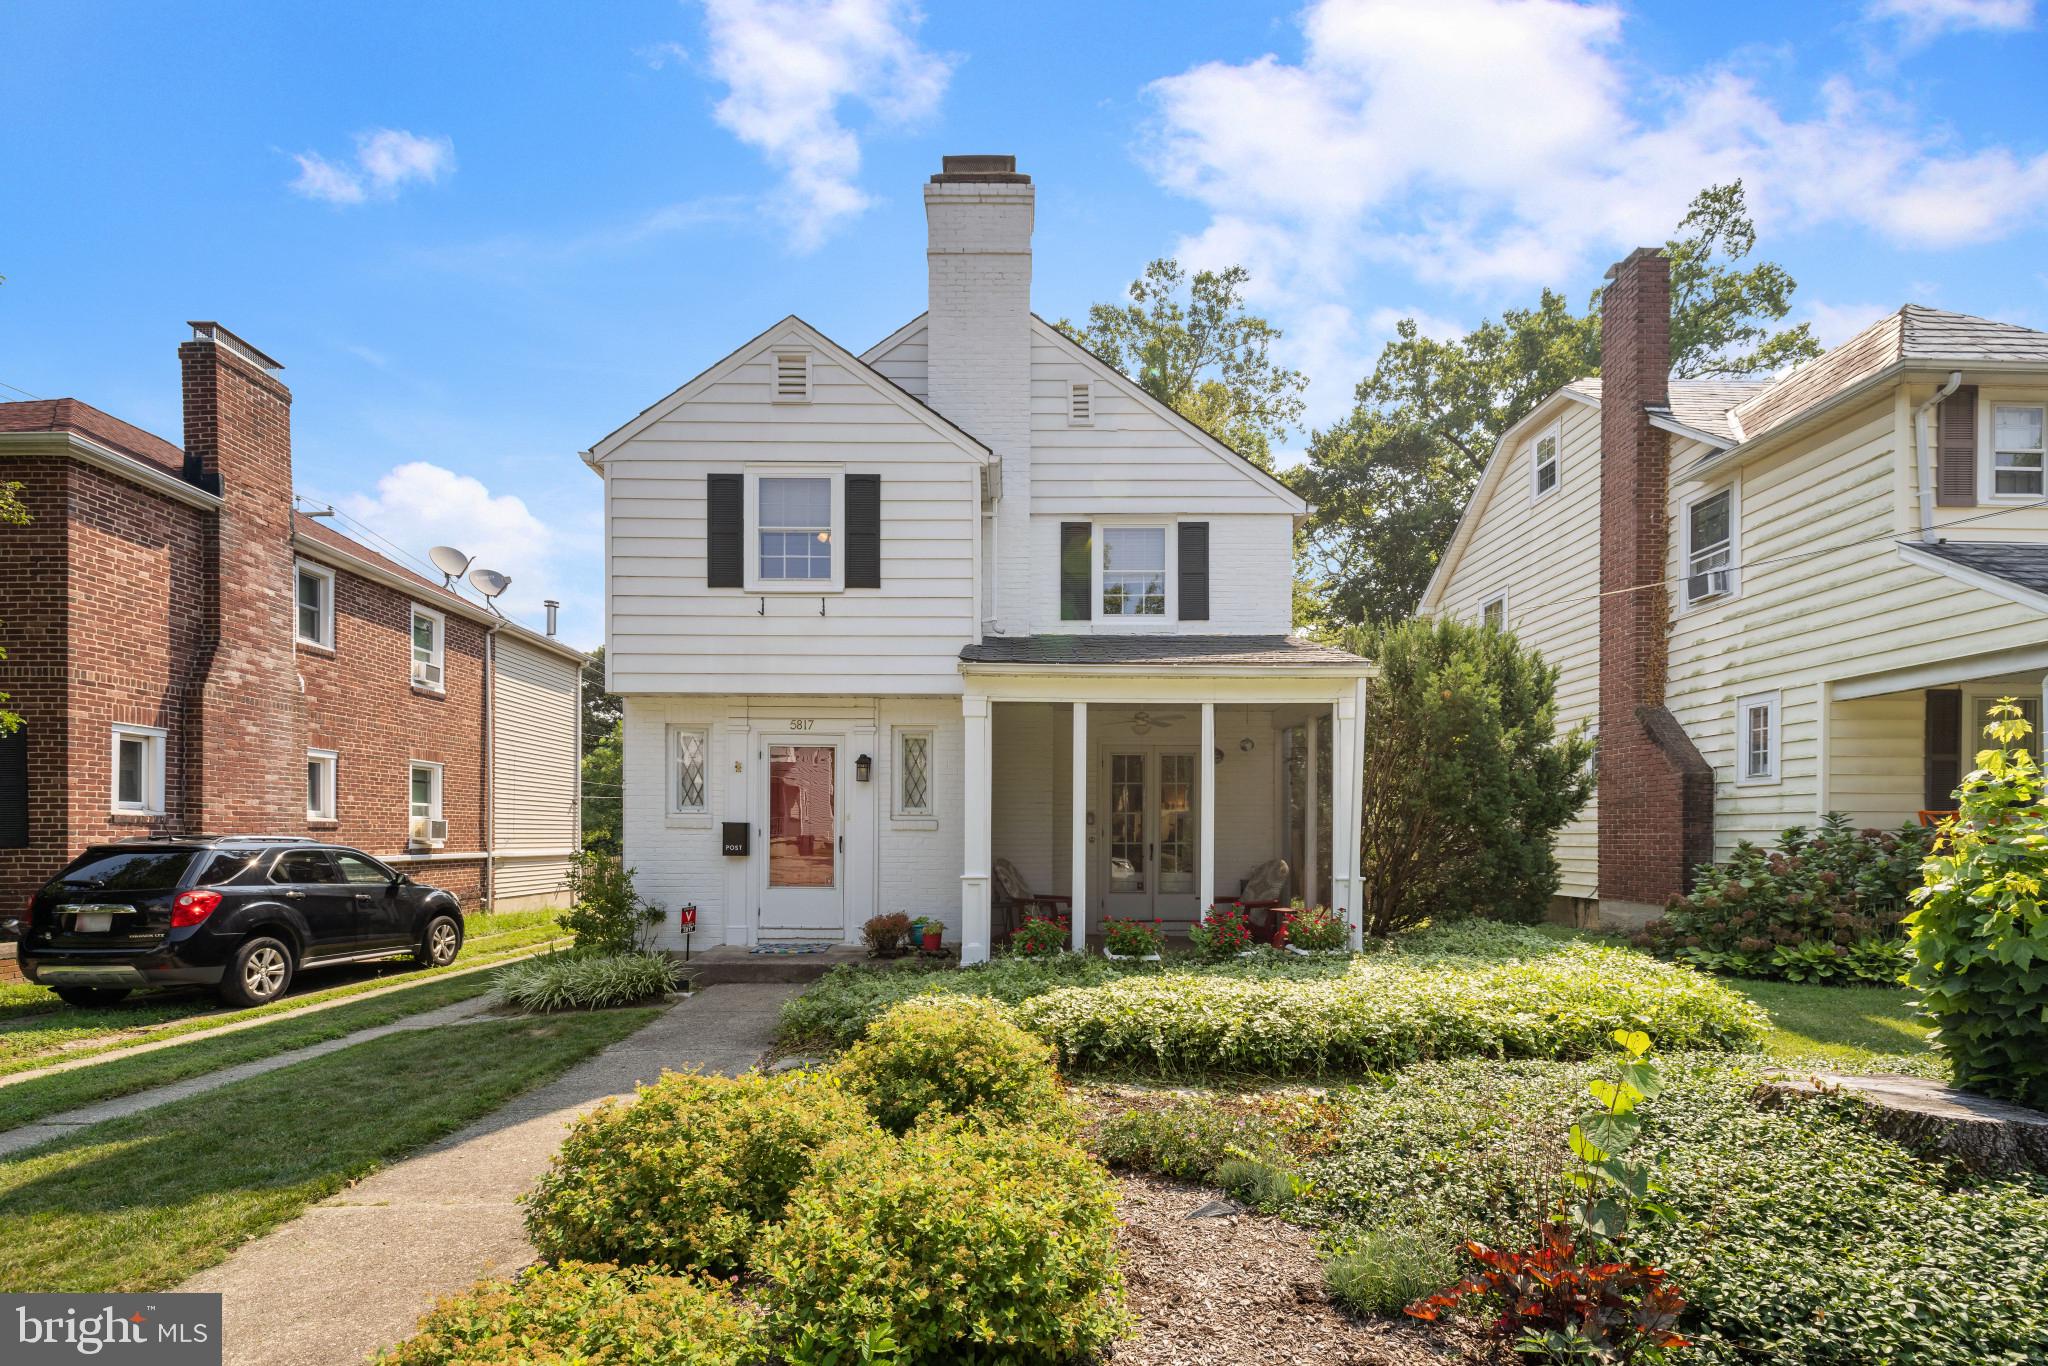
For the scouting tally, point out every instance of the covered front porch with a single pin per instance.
(1153, 787)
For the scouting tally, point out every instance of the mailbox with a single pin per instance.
(735, 840)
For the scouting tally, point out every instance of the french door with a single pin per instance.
(1152, 833)
(803, 892)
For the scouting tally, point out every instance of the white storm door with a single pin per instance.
(803, 892)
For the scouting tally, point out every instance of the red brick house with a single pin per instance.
(190, 653)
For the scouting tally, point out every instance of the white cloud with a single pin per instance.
(789, 68)
(659, 55)
(386, 161)
(1921, 20)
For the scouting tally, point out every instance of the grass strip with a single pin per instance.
(1843, 1026)
(36, 1029)
(28, 1101)
(141, 1203)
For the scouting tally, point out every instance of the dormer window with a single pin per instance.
(1081, 404)
(1134, 571)
(792, 377)
(1544, 464)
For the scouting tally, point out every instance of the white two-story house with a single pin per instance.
(904, 629)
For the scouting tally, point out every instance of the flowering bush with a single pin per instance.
(1825, 905)
(686, 1175)
(953, 1056)
(1317, 929)
(581, 1315)
(951, 1246)
(1131, 938)
(1224, 932)
(1041, 936)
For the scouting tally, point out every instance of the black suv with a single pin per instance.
(240, 914)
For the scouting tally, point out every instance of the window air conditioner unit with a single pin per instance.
(428, 675)
(426, 831)
(1712, 584)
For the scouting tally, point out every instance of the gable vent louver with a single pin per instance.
(1080, 404)
(792, 377)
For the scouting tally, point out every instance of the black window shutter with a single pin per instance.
(1194, 571)
(1955, 445)
(1077, 572)
(14, 789)
(863, 531)
(1944, 749)
(725, 531)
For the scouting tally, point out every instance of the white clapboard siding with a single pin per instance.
(670, 633)
(902, 358)
(1251, 576)
(535, 722)
(1545, 555)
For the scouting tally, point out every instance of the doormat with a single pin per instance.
(776, 950)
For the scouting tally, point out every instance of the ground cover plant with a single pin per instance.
(579, 980)
(143, 1202)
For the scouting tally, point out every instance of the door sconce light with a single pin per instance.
(863, 767)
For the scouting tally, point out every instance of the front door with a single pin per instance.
(804, 891)
(1153, 843)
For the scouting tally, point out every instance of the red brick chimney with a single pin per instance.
(1656, 797)
(246, 724)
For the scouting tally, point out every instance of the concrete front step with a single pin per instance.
(731, 963)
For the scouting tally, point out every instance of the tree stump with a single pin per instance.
(1985, 1135)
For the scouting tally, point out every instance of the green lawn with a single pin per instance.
(142, 1203)
(37, 1029)
(1848, 1027)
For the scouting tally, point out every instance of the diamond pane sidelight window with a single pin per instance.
(1134, 571)
(796, 529)
(917, 774)
(689, 770)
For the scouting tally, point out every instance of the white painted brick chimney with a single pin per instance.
(979, 213)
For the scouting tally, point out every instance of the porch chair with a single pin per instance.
(1264, 891)
(1014, 897)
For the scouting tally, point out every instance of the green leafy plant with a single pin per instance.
(1041, 936)
(1261, 1184)
(1979, 929)
(1225, 932)
(576, 1314)
(1131, 938)
(584, 981)
(1381, 1271)
(688, 1173)
(885, 934)
(967, 1246)
(605, 914)
(1186, 1142)
(1318, 929)
(953, 1056)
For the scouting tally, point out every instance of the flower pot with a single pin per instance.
(933, 939)
(1131, 957)
(1317, 953)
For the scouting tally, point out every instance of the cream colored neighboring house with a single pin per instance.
(1829, 575)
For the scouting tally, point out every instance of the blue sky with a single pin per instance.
(480, 236)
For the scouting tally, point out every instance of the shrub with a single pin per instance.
(1470, 778)
(1382, 1271)
(954, 1245)
(1826, 905)
(584, 981)
(1225, 932)
(1131, 938)
(1041, 936)
(581, 1315)
(1389, 1010)
(886, 933)
(686, 1175)
(1980, 933)
(955, 1056)
(605, 914)
(1257, 1183)
(1317, 929)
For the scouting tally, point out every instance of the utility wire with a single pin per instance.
(19, 390)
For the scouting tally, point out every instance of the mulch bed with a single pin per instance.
(1248, 1288)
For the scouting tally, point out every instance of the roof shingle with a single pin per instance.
(70, 415)
(2023, 564)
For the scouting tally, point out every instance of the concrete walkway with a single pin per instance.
(70, 1121)
(354, 1273)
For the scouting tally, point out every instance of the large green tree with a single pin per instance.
(603, 760)
(1391, 478)
(1193, 346)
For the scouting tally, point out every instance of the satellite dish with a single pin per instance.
(489, 582)
(451, 562)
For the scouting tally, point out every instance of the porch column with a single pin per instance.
(1344, 814)
(1354, 835)
(1078, 887)
(1207, 886)
(1312, 803)
(975, 806)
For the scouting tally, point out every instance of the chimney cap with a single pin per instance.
(1614, 271)
(979, 170)
(214, 332)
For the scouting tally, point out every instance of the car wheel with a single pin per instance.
(259, 973)
(91, 996)
(440, 943)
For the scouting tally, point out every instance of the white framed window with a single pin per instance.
(1977, 715)
(1756, 738)
(792, 377)
(1546, 462)
(1712, 537)
(1494, 611)
(1081, 403)
(424, 825)
(799, 517)
(689, 771)
(915, 778)
(315, 605)
(1134, 571)
(2018, 451)
(322, 767)
(138, 770)
(429, 636)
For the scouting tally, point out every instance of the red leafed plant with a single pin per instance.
(1556, 1305)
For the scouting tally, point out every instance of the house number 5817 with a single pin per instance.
(800, 725)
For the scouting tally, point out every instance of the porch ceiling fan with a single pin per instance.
(1143, 720)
